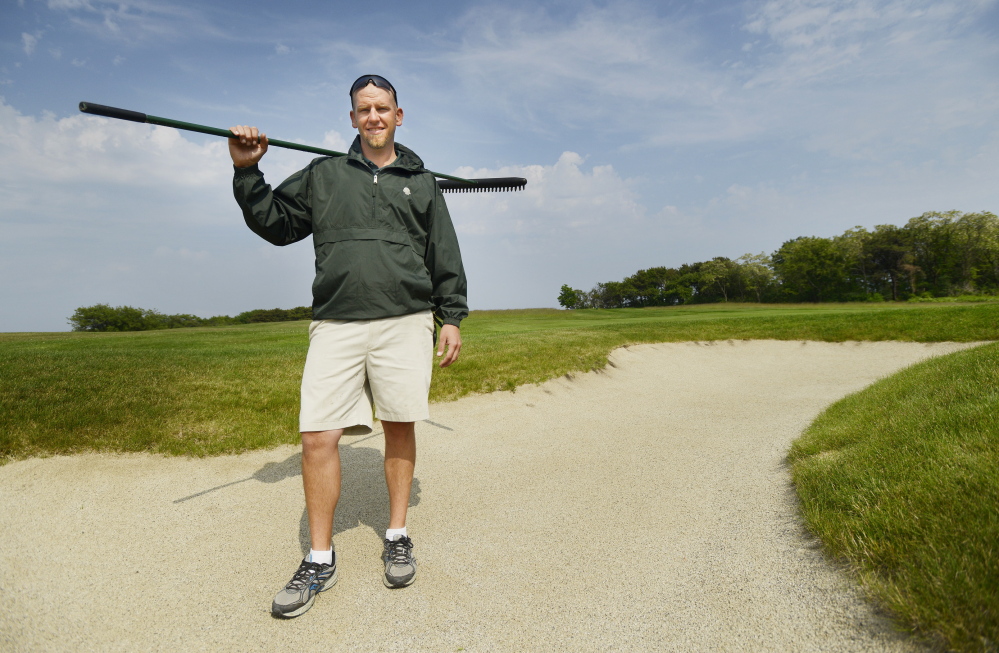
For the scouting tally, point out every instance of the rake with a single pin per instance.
(447, 183)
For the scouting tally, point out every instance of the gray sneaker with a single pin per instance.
(400, 565)
(300, 593)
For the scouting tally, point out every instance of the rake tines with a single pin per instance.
(497, 184)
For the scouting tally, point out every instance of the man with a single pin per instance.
(387, 264)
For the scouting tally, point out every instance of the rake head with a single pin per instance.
(492, 184)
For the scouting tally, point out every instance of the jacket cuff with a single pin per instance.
(452, 322)
(248, 171)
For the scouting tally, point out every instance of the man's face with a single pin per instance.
(375, 116)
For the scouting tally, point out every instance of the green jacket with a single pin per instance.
(384, 242)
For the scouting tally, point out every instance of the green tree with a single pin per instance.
(569, 297)
(813, 269)
(955, 252)
(757, 273)
(101, 317)
(975, 237)
(889, 255)
(719, 273)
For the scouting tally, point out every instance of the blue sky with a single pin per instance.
(651, 134)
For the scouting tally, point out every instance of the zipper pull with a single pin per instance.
(376, 177)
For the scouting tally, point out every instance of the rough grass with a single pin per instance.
(204, 391)
(902, 480)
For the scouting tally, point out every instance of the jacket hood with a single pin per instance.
(406, 158)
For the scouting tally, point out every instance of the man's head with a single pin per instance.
(375, 112)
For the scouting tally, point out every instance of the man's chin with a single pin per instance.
(376, 142)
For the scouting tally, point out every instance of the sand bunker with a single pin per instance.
(647, 506)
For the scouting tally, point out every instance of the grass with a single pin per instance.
(511, 348)
(902, 481)
(215, 390)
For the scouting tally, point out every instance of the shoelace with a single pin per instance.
(304, 575)
(398, 551)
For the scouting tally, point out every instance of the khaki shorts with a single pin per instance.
(353, 364)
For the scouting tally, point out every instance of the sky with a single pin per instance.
(651, 134)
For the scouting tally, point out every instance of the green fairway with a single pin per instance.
(219, 390)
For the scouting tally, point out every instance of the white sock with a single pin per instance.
(322, 557)
(393, 534)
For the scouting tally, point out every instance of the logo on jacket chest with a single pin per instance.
(405, 191)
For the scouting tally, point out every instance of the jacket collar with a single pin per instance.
(405, 158)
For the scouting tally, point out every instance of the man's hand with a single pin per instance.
(450, 339)
(246, 151)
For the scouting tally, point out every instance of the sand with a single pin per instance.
(647, 506)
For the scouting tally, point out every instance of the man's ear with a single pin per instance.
(353, 121)
(398, 116)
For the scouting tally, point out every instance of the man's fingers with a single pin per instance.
(247, 146)
(247, 135)
(452, 354)
(450, 338)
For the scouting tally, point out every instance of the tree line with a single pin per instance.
(101, 317)
(933, 255)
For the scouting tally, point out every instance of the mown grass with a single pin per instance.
(902, 481)
(205, 391)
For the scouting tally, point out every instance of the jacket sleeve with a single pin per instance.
(443, 259)
(281, 216)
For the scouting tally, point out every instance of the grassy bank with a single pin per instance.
(210, 390)
(901, 481)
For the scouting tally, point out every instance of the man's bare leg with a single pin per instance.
(321, 478)
(400, 459)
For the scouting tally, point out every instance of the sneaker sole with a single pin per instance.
(330, 582)
(396, 586)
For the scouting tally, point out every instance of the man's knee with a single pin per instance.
(399, 430)
(320, 441)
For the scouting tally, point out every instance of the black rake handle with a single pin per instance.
(452, 183)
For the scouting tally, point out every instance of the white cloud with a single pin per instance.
(620, 66)
(334, 140)
(70, 4)
(281, 48)
(94, 150)
(137, 20)
(95, 210)
(28, 42)
(559, 199)
(571, 224)
(835, 40)
(850, 78)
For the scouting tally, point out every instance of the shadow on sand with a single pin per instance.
(363, 495)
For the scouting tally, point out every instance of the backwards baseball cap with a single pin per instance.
(377, 80)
